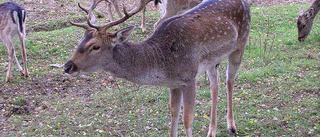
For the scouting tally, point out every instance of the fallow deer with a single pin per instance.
(12, 22)
(180, 49)
(305, 20)
(171, 8)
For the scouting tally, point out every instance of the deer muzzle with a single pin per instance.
(70, 67)
(301, 39)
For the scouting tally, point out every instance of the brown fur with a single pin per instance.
(305, 20)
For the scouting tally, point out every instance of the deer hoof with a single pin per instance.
(232, 131)
(7, 79)
(24, 73)
(143, 29)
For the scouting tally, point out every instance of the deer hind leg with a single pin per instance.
(23, 53)
(175, 103)
(213, 74)
(234, 62)
(189, 98)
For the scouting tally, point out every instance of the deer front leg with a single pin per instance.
(175, 102)
(213, 74)
(116, 8)
(143, 20)
(189, 98)
(18, 64)
(7, 40)
(10, 57)
(109, 10)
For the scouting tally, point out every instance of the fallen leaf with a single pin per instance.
(263, 105)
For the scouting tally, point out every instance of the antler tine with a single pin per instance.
(92, 18)
(93, 5)
(81, 25)
(104, 27)
(84, 9)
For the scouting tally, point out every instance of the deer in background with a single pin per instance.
(170, 8)
(117, 10)
(12, 22)
(305, 20)
(180, 49)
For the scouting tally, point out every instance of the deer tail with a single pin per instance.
(156, 2)
(18, 16)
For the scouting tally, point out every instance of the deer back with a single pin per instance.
(184, 46)
(181, 47)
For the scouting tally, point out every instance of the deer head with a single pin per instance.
(304, 23)
(97, 41)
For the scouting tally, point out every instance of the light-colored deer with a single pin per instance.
(179, 50)
(12, 22)
(171, 8)
(305, 20)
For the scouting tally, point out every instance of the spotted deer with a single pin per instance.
(171, 8)
(180, 49)
(12, 22)
(305, 20)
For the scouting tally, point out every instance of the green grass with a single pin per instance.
(276, 92)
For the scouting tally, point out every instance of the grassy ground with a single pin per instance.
(276, 92)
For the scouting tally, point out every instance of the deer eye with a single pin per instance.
(95, 47)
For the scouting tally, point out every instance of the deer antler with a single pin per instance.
(104, 27)
(91, 16)
(81, 25)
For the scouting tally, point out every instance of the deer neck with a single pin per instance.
(134, 61)
(316, 6)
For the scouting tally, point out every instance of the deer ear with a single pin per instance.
(123, 34)
(301, 12)
(309, 13)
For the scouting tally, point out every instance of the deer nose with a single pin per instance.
(301, 39)
(70, 66)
